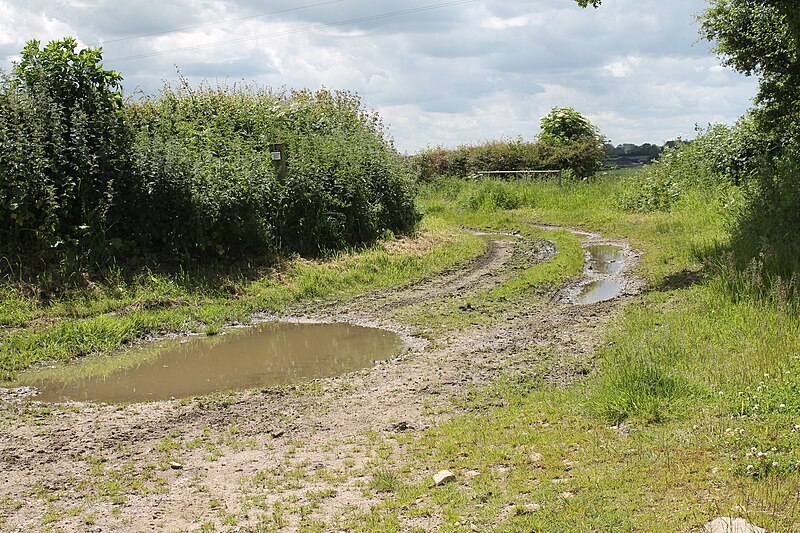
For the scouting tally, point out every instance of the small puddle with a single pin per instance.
(599, 291)
(262, 356)
(604, 260)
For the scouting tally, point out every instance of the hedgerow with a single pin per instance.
(86, 179)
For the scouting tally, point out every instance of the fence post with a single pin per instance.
(278, 155)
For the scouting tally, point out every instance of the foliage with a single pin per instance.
(64, 152)
(211, 186)
(762, 38)
(86, 180)
(564, 124)
(719, 158)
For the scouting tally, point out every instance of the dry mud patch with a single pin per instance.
(282, 457)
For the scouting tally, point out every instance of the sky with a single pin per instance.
(439, 72)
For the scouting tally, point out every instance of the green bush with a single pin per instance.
(64, 152)
(718, 158)
(211, 187)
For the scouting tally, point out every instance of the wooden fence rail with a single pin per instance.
(518, 172)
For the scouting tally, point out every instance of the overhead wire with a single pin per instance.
(303, 29)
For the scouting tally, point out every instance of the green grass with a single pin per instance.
(692, 413)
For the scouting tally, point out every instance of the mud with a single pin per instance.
(184, 464)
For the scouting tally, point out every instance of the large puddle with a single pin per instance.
(604, 260)
(261, 356)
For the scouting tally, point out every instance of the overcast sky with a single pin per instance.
(440, 72)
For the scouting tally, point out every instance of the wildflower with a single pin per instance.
(761, 455)
(775, 464)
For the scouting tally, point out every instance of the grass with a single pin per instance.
(692, 413)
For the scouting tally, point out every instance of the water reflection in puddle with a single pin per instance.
(599, 291)
(265, 355)
(605, 258)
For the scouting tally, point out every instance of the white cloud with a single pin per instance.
(624, 67)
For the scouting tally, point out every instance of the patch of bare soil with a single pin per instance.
(269, 459)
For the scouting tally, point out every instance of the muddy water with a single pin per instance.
(268, 354)
(604, 260)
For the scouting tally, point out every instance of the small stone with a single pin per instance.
(445, 476)
(536, 457)
(470, 474)
(732, 525)
(175, 465)
(567, 495)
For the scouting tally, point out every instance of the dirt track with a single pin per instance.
(95, 468)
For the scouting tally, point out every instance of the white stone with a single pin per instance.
(445, 476)
(732, 525)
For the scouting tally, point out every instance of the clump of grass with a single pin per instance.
(385, 480)
(642, 384)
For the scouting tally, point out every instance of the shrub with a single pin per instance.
(582, 157)
(64, 151)
(718, 158)
(211, 186)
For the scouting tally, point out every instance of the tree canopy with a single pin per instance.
(761, 38)
(565, 124)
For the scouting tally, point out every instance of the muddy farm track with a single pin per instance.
(176, 465)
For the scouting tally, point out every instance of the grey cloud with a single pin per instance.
(446, 69)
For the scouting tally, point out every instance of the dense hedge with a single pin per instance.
(583, 157)
(86, 179)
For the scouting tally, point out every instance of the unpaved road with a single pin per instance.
(245, 460)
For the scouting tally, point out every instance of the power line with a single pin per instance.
(185, 28)
(295, 31)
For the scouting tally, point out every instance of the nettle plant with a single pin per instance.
(64, 149)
